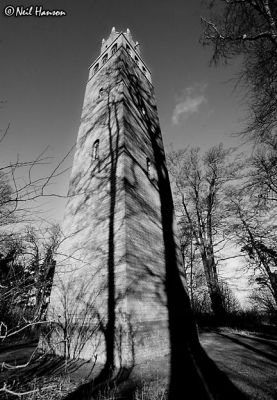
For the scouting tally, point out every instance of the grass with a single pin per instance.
(58, 387)
(147, 390)
(44, 388)
(153, 390)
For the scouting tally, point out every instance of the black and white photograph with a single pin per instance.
(138, 200)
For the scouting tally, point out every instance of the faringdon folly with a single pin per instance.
(118, 294)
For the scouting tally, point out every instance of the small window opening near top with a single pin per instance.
(114, 48)
(144, 69)
(136, 60)
(128, 49)
(105, 59)
(95, 68)
(95, 150)
(101, 92)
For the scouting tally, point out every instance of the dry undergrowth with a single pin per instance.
(44, 388)
(57, 388)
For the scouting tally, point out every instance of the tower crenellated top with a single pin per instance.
(113, 36)
(114, 43)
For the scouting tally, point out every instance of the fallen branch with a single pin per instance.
(19, 394)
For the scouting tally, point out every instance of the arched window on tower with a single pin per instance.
(114, 48)
(128, 49)
(101, 92)
(105, 59)
(95, 150)
(149, 168)
(136, 60)
(95, 68)
(144, 69)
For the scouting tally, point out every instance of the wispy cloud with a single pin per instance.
(189, 103)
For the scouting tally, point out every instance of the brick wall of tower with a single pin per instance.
(81, 271)
(145, 269)
(120, 111)
(145, 252)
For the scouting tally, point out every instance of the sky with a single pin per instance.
(44, 69)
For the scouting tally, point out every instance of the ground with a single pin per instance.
(249, 361)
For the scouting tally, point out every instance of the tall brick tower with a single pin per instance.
(110, 292)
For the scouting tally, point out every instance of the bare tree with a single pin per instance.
(254, 231)
(41, 251)
(262, 302)
(200, 184)
(6, 210)
(262, 181)
(26, 260)
(77, 322)
(27, 267)
(248, 28)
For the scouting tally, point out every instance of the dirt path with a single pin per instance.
(248, 361)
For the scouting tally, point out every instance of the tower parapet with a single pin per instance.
(116, 42)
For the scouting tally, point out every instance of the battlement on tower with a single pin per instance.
(114, 34)
(119, 41)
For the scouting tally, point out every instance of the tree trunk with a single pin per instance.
(212, 283)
